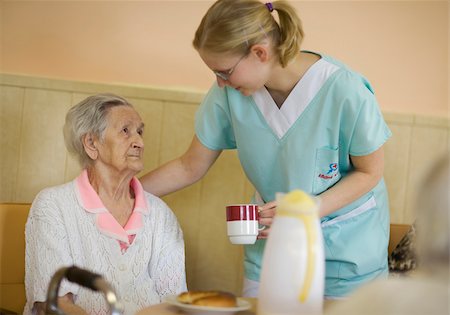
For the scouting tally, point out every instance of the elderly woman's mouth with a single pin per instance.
(135, 154)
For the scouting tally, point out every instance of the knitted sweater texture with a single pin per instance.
(59, 233)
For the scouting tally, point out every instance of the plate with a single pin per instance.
(242, 305)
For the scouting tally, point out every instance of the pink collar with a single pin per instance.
(105, 222)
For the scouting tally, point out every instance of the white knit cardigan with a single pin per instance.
(59, 232)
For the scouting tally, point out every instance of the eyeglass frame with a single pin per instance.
(225, 75)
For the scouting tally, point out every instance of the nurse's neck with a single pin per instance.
(283, 80)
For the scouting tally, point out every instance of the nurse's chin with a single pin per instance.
(245, 92)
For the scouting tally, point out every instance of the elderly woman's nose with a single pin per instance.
(138, 142)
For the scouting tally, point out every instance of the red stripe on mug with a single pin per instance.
(242, 212)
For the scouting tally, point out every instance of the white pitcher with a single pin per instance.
(293, 266)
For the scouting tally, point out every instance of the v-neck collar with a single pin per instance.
(281, 119)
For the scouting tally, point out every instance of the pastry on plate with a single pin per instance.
(208, 298)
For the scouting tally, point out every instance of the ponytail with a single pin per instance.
(233, 26)
(291, 32)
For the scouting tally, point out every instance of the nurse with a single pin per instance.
(315, 124)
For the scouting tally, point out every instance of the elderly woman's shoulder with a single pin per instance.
(56, 191)
(51, 196)
(154, 200)
(156, 203)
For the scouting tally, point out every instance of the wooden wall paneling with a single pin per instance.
(42, 150)
(429, 143)
(151, 113)
(221, 261)
(72, 166)
(249, 191)
(396, 171)
(176, 135)
(11, 107)
(178, 129)
(185, 204)
(33, 156)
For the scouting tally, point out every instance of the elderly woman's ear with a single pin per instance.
(89, 146)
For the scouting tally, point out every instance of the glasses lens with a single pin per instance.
(225, 75)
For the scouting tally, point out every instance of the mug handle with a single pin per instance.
(259, 201)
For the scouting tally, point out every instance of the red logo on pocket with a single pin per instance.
(332, 172)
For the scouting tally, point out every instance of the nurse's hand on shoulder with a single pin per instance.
(266, 214)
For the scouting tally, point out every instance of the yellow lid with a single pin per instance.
(296, 200)
(300, 197)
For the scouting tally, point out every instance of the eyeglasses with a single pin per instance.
(225, 75)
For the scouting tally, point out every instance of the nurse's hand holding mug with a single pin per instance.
(266, 215)
(242, 223)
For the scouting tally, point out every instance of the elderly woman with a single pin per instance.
(104, 221)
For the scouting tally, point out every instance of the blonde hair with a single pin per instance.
(88, 117)
(234, 26)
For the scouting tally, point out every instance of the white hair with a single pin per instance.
(88, 117)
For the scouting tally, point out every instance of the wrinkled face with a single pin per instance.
(122, 146)
(248, 72)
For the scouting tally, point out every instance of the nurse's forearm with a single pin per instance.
(347, 190)
(366, 175)
(168, 178)
(181, 172)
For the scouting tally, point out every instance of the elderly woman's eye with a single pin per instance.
(125, 130)
(140, 131)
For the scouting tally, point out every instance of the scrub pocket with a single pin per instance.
(355, 244)
(326, 171)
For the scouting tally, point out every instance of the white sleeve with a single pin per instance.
(46, 248)
(169, 270)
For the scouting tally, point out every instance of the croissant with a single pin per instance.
(208, 298)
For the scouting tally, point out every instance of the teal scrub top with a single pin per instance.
(330, 114)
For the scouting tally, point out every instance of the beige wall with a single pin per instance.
(401, 46)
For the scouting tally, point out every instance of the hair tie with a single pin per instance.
(269, 6)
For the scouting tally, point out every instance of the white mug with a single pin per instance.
(242, 223)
